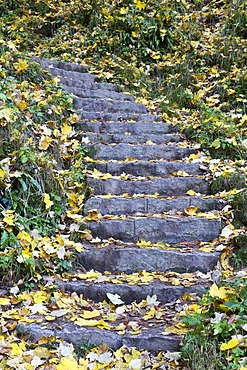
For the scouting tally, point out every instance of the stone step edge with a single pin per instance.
(62, 65)
(136, 160)
(132, 178)
(151, 205)
(90, 116)
(96, 291)
(152, 339)
(116, 259)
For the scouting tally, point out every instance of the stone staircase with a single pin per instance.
(139, 178)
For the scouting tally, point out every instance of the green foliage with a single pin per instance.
(240, 246)
(239, 201)
(229, 181)
(219, 319)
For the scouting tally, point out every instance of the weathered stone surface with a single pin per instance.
(150, 168)
(122, 127)
(163, 205)
(129, 293)
(99, 93)
(169, 230)
(174, 230)
(151, 339)
(104, 105)
(125, 206)
(117, 206)
(132, 259)
(88, 85)
(164, 186)
(143, 152)
(133, 139)
(71, 74)
(113, 117)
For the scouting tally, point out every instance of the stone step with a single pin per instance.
(99, 94)
(150, 339)
(113, 117)
(146, 168)
(138, 128)
(74, 75)
(170, 186)
(166, 229)
(89, 85)
(123, 151)
(108, 106)
(132, 139)
(46, 63)
(130, 259)
(124, 206)
(165, 293)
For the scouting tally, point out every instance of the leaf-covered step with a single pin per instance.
(113, 117)
(74, 75)
(132, 139)
(45, 63)
(129, 259)
(89, 85)
(104, 105)
(136, 128)
(123, 151)
(126, 205)
(99, 93)
(165, 293)
(147, 168)
(169, 186)
(152, 339)
(167, 229)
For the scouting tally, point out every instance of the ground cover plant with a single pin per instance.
(187, 61)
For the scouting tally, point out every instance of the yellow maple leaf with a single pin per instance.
(229, 345)
(181, 174)
(22, 104)
(25, 238)
(4, 301)
(2, 173)
(66, 129)
(90, 314)
(67, 363)
(214, 291)
(45, 142)
(150, 314)
(179, 328)
(191, 192)
(47, 201)
(140, 5)
(9, 220)
(143, 243)
(21, 65)
(16, 350)
(190, 211)
(7, 114)
(93, 215)
(40, 296)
